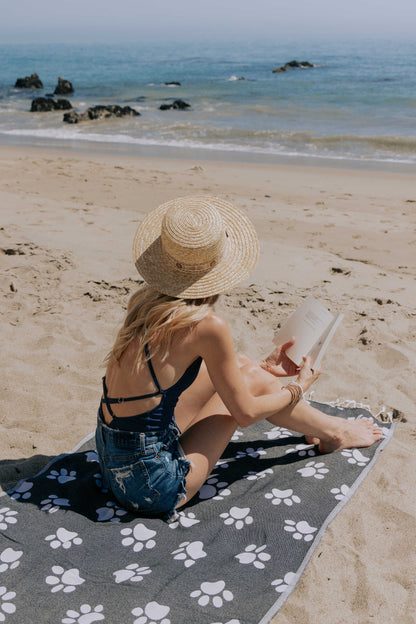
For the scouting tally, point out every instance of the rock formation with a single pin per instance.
(293, 64)
(64, 87)
(176, 104)
(46, 104)
(29, 82)
(100, 112)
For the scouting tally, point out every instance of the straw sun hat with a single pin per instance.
(194, 247)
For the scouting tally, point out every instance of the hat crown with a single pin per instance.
(193, 234)
(195, 247)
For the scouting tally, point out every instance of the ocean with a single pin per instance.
(357, 104)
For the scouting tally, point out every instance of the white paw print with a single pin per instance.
(303, 450)
(251, 452)
(85, 615)
(53, 503)
(314, 469)
(255, 555)
(254, 476)
(300, 530)
(7, 516)
(289, 580)
(132, 572)
(139, 537)
(67, 580)
(63, 538)
(9, 559)
(278, 433)
(355, 457)
(185, 520)
(237, 434)
(91, 456)
(189, 552)
(153, 613)
(285, 496)
(111, 512)
(6, 606)
(21, 491)
(340, 493)
(213, 488)
(63, 476)
(212, 592)
(238, 516)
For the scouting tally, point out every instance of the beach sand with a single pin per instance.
(345, 236)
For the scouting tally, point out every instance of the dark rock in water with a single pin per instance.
(72, 117)
(100, 112)
(301, 64)
(29, 82)
(176, 105)
(173, 83)
(42, 105)
(293, 65)
(46, 104)
(112, 110)
(62, 104)
(64, 87)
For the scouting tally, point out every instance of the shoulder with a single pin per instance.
(213, 330)
(212, 324)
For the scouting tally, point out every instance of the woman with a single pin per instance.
(175, 390)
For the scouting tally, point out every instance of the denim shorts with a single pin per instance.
(145, 471)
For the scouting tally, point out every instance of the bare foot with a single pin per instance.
(311, 440)
(352, 433)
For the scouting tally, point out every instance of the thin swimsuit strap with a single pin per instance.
(152, 371)
(110, 401)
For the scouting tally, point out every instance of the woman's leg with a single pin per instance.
(331, 432)
(208, 428)
(205, 441)
(191, 404)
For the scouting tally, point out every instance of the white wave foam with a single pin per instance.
(74, 133)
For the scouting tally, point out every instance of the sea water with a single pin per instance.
(357, 103)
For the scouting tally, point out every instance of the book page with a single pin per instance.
(308, 323)
(318, 350)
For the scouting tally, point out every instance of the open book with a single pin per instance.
(313, 327)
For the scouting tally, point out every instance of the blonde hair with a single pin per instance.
(153, 318)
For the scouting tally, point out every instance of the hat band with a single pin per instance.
(201, 267)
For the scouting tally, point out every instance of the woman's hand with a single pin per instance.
(307, 375)
(278, 363)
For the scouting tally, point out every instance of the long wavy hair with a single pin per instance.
(154, 318)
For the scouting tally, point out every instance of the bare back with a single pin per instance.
(124, 380)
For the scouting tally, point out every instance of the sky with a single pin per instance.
(131, 20)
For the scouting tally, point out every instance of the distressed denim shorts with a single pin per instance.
(145, 471)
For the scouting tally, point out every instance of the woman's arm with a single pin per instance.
(214, 342)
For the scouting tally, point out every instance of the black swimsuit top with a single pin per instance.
(162, 414)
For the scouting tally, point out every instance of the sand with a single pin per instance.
(345, 236)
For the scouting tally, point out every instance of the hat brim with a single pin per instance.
(238, 260)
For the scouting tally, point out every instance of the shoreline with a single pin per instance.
(130, 150)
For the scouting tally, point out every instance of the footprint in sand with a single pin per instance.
(390, 358)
